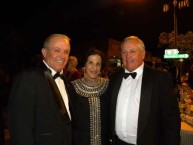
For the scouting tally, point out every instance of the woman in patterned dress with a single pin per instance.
(89, 102)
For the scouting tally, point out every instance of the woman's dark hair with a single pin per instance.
(94, 51)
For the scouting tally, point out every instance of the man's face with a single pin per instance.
(57, 53)
(132, 55)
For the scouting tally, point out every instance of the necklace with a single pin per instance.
(92, 83)
(84, 90)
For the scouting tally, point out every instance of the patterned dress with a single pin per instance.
(89, 104)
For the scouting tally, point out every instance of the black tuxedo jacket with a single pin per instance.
(159, 119)
(36, 115)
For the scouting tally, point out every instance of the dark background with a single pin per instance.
(25, 24)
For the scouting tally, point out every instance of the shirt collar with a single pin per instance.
(52, 71)
(139, 70)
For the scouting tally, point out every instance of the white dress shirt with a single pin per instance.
(127, 108)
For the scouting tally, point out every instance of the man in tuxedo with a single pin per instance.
(143, 108)
(39, 105)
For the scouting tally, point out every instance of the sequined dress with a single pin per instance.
(90, 112)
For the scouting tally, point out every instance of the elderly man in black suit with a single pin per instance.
(143, 108)
(39, 105)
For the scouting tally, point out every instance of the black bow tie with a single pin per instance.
(58, 75)
(133, 75)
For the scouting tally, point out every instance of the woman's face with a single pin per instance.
(93, 67)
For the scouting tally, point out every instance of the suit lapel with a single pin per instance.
(115, 91)
(57, 95)
(145, 100)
